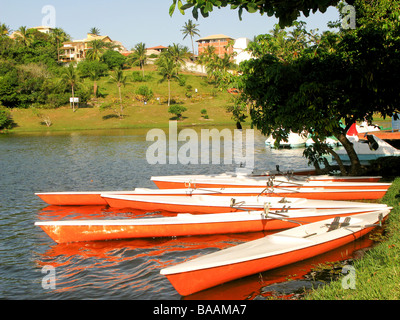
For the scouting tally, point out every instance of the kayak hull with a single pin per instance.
(263, 254)
(91, 198)
(205, 204)
(193, 281)
(183, 225)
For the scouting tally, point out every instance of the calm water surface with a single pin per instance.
(105, 160)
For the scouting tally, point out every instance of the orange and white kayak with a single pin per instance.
(185, 224)
(244, 181)
(199, 204)
(91, 198)
(270, 252)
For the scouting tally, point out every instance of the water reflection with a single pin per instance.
(100, 160)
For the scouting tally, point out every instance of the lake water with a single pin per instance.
(107, 160)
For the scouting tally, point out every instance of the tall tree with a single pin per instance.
(168, 69)
(71, 77)
(139, 55)
(190, 29)
(317, 88)
(59, 36)
(120, 80)
(178, 54)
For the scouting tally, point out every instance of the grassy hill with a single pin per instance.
(136, 113)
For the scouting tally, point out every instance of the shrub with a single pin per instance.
(177, 110)
(6, 121)
(144, 93)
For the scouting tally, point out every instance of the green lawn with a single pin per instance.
(136, 113)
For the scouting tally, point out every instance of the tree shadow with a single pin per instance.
(110, 116)
(178, 118)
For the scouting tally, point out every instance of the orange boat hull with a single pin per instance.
(73, 199)
(193, 281)
(180, 185)
(76, 233)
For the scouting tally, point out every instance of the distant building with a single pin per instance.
(239, 48)
(76, 50)
(219, 41)
(224, 44)
(155, 50)
(44, 29)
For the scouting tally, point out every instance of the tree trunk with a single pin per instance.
(73, 99)
(120, 103)
(95, 88)
(169, 92)
(356, 168)
(192, 48)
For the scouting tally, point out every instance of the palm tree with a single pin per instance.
(121, 80)
(208, 59)
(59, 36)
(71, 77)
(225, 63)
(96, 50)
(95, 31)
(24, 36)
(4, 30)
(94, 75)
(178, 54)
(189, 29)
(168, 69)
(139, 55)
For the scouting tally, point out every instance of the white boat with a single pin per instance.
(370, 149)
(270, 252)
(294, 140)
(82, 198)
(200, 204)
(243, 181)
(332, 142)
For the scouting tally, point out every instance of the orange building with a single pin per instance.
(219, 41)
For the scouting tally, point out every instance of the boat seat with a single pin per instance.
(336, 225)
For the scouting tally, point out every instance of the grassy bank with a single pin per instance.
(378, 272)
(193, 92)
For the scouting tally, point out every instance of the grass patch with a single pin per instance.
(195, 94)
(378, 272)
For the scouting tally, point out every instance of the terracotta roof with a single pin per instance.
(157, 47)
(214, 37)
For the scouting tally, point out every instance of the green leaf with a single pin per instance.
(180, 7)
(251, 7)
(195, 13)
(172, 8)
(208, 7)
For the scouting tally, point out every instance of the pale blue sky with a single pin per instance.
(133, 21)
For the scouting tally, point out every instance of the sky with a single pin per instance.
(134, 21)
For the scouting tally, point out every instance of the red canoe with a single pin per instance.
(270, 252)
(185, 224)
(199, 204)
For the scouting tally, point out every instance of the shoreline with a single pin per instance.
(378, 271)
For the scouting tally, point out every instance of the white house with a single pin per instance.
(239, 48)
